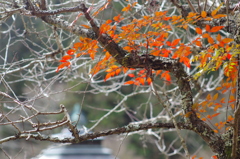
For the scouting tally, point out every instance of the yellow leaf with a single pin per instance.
(214, 12)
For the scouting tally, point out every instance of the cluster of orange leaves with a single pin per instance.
(85, 46)
(213, 103)
(154, 41)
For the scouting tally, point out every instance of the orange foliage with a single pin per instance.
(156, 41)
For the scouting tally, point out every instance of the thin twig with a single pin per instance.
(167, 107)
(191, 6)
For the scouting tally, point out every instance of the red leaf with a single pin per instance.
(229, 56)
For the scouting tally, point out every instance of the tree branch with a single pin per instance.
(81, 138)
(160, 63)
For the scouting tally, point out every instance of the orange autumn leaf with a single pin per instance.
(175, 42)
(85, 26)
(216, 28)
(67, 57)
(217, 106)
(193, 157)
(101, 9)
(214, 12)
(227, 40)
(214, 115)
(65, 64)
(149, 80)
(140, 80)
(129, 82)
(117, 72)
(218, 37)
(203, 14)
(205, 35)
(187, 115)
(210, 40)
(131, 75)
(185, 60)
(77, 45)
(216, 131)
(108, 76)
(108, 21)
(209, 97)
(198, 43)
(222, 100)
(219, 16)
(198, 30)
(127, 8)
(207, 27)
(166, 76)
(215, 96)
(71, 52)
(117, 18)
